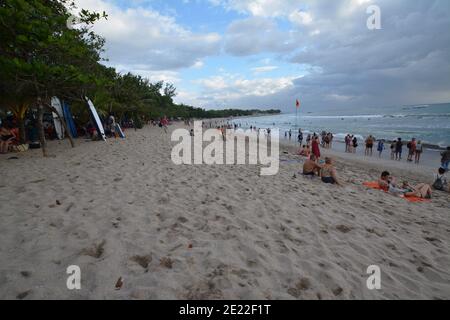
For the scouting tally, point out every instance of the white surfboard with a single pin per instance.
(98, 122)
(120, 131)
(58, 124)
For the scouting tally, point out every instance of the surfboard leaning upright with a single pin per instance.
(96, 118)
(69, 120)
(56, 103)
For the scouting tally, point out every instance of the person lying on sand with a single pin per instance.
(328, 173)
(421, 190)
(387, 183)
(310, 167)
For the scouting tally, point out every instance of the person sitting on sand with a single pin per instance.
(310, 167)
(440, 180)
(328, 172)
(6, 138)
(304, 151)
(385, 181)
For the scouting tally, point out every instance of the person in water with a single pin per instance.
(328, 173)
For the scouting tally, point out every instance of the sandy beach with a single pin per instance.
(123, 209)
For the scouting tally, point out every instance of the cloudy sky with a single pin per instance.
(268, 53)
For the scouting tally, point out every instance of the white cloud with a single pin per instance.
(260, 8)
(264, 69)
(230, 90)
(198, 65)
(301, 18)
(144, 36)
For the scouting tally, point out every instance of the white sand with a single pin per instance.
(126, 211)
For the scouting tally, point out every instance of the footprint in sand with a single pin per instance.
(143, 261)
(344, 229)
(303, 285)
(166, 262)
(96, 251)
(23, 295)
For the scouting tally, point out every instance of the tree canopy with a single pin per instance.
(42, 56)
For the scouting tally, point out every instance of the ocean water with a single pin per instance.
(428, 123)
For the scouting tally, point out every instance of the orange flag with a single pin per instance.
(297, 104)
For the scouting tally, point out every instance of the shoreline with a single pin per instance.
(427, 145)
(430, 160)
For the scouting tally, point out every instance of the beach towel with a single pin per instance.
(376, 186)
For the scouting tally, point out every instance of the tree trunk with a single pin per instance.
(22, 134)
(40, 125)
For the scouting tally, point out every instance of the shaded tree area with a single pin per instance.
(42, 57)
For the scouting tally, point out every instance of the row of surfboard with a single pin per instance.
(63, 109)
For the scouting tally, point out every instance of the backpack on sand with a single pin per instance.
(438, 184)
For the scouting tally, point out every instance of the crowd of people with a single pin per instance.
(314, 166)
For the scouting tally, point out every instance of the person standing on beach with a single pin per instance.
(164, 123)
(350, 144)
(398, 149)
(316, 148)
(355, 144)
(347, 143)
(380, 147)
(290, 134)
(445, 160)
(411, 149)
(300, 136)
(369, 145)
(393, 146)
(419, 150)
